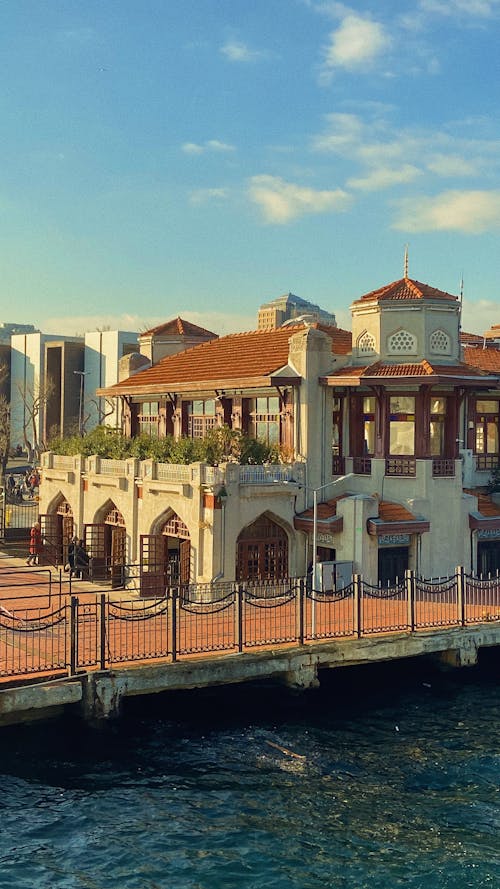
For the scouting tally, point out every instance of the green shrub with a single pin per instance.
(218, 446)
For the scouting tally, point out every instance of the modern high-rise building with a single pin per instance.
(290, 307)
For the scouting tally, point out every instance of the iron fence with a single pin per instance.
(93, 631)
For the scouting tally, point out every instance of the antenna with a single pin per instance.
(406, 261)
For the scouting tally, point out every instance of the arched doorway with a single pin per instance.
(262, 551)
(105, 543)
(57, 529)
(165, 559)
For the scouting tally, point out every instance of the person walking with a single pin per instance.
(35, 545)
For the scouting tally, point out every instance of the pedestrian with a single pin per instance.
(73, 544)
(81, 560)
(35, 545)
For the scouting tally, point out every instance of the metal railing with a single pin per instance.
(89, 630)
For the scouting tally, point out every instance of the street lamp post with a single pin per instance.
(81, 374)
(315, 555)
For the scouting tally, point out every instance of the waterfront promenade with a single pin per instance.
(53, 629)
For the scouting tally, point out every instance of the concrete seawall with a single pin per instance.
(99, 695)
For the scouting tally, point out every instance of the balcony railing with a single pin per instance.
(487, 462)
(401, 466)
(442, 467)
(338, 465)
(265, 475)
(362, 465)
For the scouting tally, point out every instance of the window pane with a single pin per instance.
(487, 407)
(274, 433)
(437, 439)
(274, 405)
(209, 407)
(479, 439)
(369, 431)
(492, 438)
(402, 437)
(402, 404)
(438, 406)
(369, 404)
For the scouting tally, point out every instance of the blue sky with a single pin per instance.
(200, 157)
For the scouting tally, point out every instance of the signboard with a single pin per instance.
(488, 534)
(394, 540)
(325, 539)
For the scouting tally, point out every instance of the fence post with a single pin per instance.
(357, 583)
(239, 617)
(461, 594)
(299, 611)
(102, 622)
(410, 598)
(175, 601)
(73, 624)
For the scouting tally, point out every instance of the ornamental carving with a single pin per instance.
(440, 343)
(402, 343)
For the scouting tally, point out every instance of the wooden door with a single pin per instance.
(67, 529)
(118, 555)
(51, 530)
(185, 561)
(153, 558)
(94, 537)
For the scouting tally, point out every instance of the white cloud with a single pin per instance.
(472, 212)
(281, 202)
(356, 44)
(478, 8)
(452, 165)
(236, 51)
(387, 155)
(204, 195)
(385, 177)
(192, 148)
(216, 145)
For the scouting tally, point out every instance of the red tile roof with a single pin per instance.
(471, 339)
(179, 327)
(487, 360)
(485, 504)
(252, 356)
(418, 369)
(405, 289)
(394, 512)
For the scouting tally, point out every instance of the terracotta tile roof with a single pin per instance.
(418, 369)
(404, 289)
(342, 339)
(179, 327)
(253, 355)
(471, 339)
(483, 359)
(485, 504)
(325, 510)
(394, 512)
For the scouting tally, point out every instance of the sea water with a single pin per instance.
(383, 778)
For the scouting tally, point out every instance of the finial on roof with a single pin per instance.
(406, 261)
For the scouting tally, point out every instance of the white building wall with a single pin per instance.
(27, 380)
(103, 350)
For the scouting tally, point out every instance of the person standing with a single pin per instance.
(35, 545)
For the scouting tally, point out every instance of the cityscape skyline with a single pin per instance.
(202, 159)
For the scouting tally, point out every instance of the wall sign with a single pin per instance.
(488, 534)
(394, 540)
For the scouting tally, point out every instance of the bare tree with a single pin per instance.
(102, 407)
(4, 434)
(34, 399)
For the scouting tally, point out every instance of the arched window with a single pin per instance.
(262, 551)
(440, 343)
(402, 343)
(366, 344)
